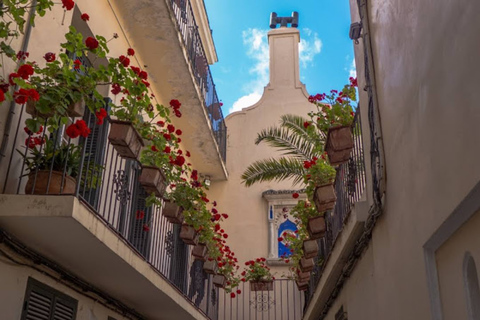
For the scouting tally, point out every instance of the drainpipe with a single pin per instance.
(11, 111)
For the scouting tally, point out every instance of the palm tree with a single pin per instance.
(292, 138)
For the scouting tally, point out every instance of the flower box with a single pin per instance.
(189, 235)
(310, 249)
(54, 187)
(76, 109)
(316, 227)
(339, 144)
(303, 276)
(302, 286)
(153, 180)
(306, 265)
(219, 281)
(210, 266)
(172, 212)
(261, 285)
(125, 139)
(200, 251)
(325, 197)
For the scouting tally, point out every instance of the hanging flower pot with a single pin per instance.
(153, 180)
(339, 144)
(189, 235)
(261, 285)
(172, 212)
(310, 248)
(325, 197)
(125, 139)
(75, 109)
(54, 186)
(219, 281)
(302, 286)
(306, 265)
(303, 276)
(316, 227)
(200, 251)
(210, 266)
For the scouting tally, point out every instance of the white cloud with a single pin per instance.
(353, 69)
(255, 40)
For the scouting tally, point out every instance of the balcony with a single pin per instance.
(344, 225)
(104, 234)
(177, 52)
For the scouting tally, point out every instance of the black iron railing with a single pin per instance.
(183, 13)
(284, 302)
(108, 185)
(350, 184)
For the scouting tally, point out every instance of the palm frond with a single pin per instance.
(295, 123)
(274, 170)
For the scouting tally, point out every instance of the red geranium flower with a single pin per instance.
(179, 161)
(72, 131)
(187, 154)
(178, 132)
(49, 56)
(12, 76)
(232, 294)
(175, 104)
(140, 214)
(225, 235)
(124, 60)
(135, 69)
(306, 124)
(116, 89)
(146, 228)
(25, 71)
(167, 136)
(160, 123)
(167, 149)
(143, 75)
(170, 128)
(85, 17)
(225, 215)
(91, 43)
(177, 112)
(2, 96)
(68, 4)
(295, 195)
(76, 64)
(101, 114)
(130, 52)
(154, 148)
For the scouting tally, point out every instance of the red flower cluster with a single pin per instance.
(76, 64)
(307, 164)
(124, 60)
(23, 95)
(79, 128)
(316, 98)
(91, 43)
(175, 104)
(353, 82)
(140, 214)
(22, 55)
(295, 195)
(146, 227)
(25, 71)
(49, 56)
(143, 75)
(116, 89)
(31, 142)
(101, 114)
(68, 4)
(306, 124)
(130, 52)
(85, 17)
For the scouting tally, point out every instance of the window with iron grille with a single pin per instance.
(44, 303)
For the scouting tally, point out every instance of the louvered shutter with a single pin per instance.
(45, 303)
(138, 237)
(94, 155)
(179, 261)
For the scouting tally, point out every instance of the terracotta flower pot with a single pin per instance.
(210, 266)
(76, 109)
(153, 180)
(125, 139)
(316, 227)
(303, 276)
(325, 197)
(261, 285)
(306, 265)
(310, 248)
(189, 235)
(200, 251)
(219, 281)
(339, 144)
(302, 286)
(41, 183)
(172, 212)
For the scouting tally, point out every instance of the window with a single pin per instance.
(472, 289)
(44, 303)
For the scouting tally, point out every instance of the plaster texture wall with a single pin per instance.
(13, 284)
(426, 67)
(247, 224)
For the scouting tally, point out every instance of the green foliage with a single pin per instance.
(257, 270)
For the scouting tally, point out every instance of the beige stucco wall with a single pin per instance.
(13, 284)
(247, 223)
(426, 68)
(450, 263)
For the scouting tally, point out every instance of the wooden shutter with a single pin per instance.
(45, 303)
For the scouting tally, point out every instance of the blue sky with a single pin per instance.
(240, 35)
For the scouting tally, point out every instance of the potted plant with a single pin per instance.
(200, 251)
(320, 180)
(306, 265)
(153, 180)
(188, 234)
(210, 266)
(302, 286)
(310, 248)
(334, 118)
(258, 274)
(172, 212)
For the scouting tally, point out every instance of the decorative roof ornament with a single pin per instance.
(284, 21)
